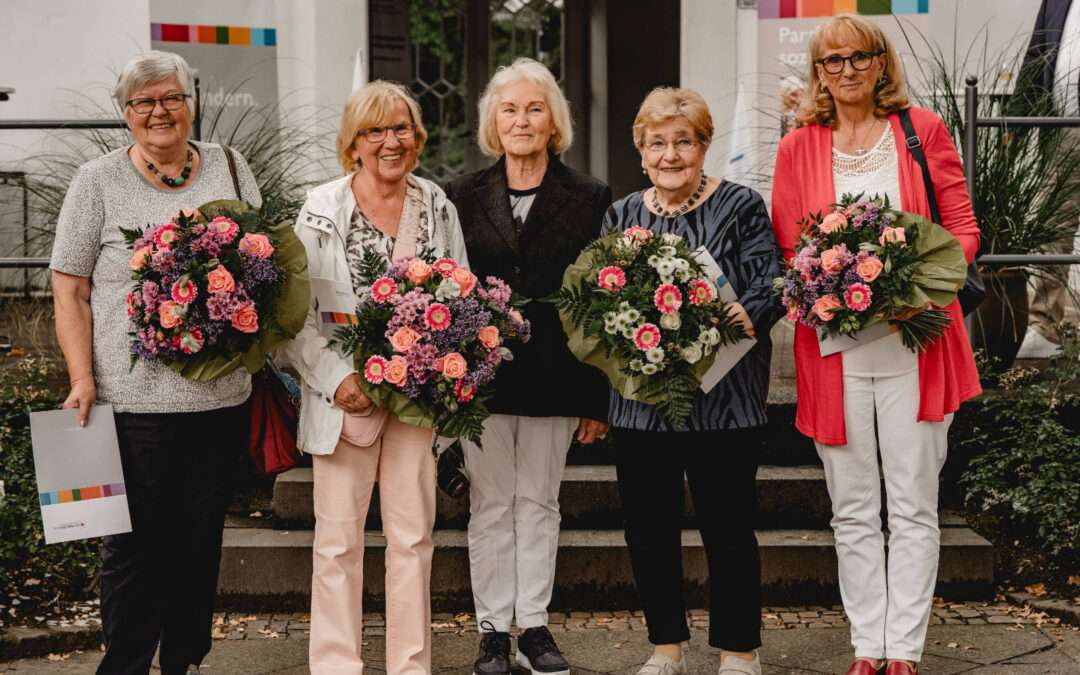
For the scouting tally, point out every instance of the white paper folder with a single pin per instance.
(728, 355)
(79, 476)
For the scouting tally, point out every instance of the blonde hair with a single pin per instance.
(849, 30)
(533, 71)
(372, 106)
(668, 103)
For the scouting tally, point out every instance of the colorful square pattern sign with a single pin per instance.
(798, 9)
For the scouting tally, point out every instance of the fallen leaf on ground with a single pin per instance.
(1074, 581)
(1038, 590)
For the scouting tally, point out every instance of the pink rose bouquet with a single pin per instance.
(865, 262)
(641, 308)
(429, 339)
(216, 288)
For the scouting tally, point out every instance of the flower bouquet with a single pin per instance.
(644, 310)
(428, 340)
(865, 262)
(216, 288)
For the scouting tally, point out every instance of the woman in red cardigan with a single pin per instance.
(877, 396)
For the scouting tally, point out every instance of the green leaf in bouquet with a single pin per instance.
(290, 306)
(921, 329)
(943, 267)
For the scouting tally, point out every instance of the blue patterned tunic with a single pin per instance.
(734, 226)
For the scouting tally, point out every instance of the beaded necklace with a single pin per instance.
(685, 206)
(179, 180)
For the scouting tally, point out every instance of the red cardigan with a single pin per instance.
(803, 183)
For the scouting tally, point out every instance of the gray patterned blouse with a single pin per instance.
(734, 226)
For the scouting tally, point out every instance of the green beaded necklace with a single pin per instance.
(179, 180)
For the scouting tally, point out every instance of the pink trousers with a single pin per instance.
(402, 464)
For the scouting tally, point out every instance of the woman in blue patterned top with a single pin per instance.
(672, 131)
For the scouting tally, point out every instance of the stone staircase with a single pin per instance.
(270, 567)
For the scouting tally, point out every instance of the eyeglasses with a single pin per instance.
(682, 146)
(145, 106)
(378, 134)
(860, 61)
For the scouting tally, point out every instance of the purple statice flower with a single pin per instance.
(397, 269)
(469, 317)
(258, 271)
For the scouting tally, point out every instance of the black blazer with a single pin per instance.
(544, 379)
(1035, 85)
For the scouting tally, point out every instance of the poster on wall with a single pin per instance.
(233, 49)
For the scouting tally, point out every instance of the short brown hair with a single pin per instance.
(668, 103)
(371, 106)
(850, 30)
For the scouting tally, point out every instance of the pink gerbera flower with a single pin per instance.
(445, 267)
(611, 278)
(184, 291)
(191, 340)
(383, 289)
(375, 369)
(701, 292)
(858, 296)
(464, 391)
(224, 228)
(668, 298)
(637, 233)
(646, 337)
(165, 236)
(437, 316)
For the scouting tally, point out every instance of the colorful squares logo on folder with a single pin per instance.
(214, 35)
(797, 9)
(339, 318)
(80, 494)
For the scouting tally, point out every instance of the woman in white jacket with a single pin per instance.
(378, 206)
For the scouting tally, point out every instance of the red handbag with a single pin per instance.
(272, 442)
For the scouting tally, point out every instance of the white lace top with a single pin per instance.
(875, 172)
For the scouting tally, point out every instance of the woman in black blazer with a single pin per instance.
(526, 218)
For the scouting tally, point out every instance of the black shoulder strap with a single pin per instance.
(232, 170)
(914, 144)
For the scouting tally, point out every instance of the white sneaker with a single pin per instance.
(730, 665)
(659, 664)
(1035, 346)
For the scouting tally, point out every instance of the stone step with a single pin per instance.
(270, 570)
(788, 497)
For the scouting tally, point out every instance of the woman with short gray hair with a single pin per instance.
(178, 438)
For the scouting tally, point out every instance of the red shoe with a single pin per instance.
(863, 667)
(901, 668)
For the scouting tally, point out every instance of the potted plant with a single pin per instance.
(1024, 194)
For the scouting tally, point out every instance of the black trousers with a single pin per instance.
(158, 583)
(721, 471)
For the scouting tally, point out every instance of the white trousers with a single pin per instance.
(514, 516)
(888, 605)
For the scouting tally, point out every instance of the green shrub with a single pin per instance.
(1024, 477)
(35, 578)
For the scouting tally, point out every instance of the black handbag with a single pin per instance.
(973, 292)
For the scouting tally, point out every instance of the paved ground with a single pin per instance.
(964, 638)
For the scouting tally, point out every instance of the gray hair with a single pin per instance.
(532, 71)
(150, 68)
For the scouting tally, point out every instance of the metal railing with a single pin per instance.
(971, 127)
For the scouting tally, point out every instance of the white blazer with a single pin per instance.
(322, 226)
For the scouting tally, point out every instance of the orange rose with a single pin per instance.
(170, 313)
(397, 369)
(139, 258)
(246, 318)
(489, 336)
(833, 222)
(403, 339)
(220, 281)
(257, 245)
(465, 279)
(869, 269)
(825, 305)
(454, 365)
(418, 271)
(832, 261)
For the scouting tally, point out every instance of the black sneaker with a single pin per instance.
(538, 652)
(450, 475)
(494, 658)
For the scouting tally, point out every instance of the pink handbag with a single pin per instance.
(363, 429)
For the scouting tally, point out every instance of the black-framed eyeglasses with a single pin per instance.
(378, 134)
(834, 65)
(145, 106)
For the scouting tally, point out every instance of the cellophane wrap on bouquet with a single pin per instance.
(642, 309)
(216, 289)
(429, 338)
(864, 262)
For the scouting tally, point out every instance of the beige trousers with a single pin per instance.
(402, 463)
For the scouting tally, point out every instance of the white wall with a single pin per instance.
(62, 57)
(709, 64)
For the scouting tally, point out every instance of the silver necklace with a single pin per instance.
(685, 206)
(859, 148)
